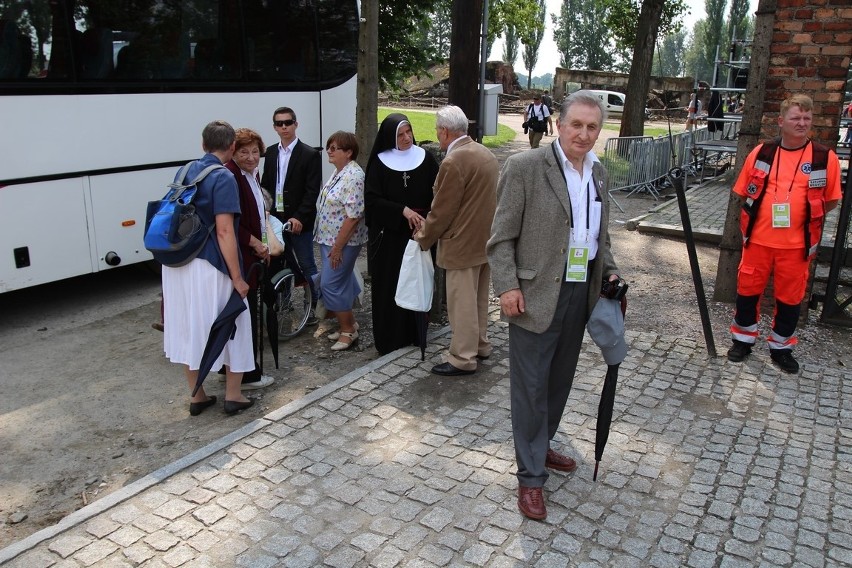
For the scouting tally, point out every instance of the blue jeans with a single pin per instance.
(303, 247)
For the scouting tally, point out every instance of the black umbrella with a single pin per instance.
(421, 324)
(265, 297)
(605, 414)
(222, 331)
(606, 327)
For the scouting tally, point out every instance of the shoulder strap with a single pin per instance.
(205, 172)
(819, 160)
(182, 173)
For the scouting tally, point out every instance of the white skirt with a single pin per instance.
(193, 297)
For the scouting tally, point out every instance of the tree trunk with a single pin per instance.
(633, 120)
(464, 59)
(731, 245)
(368, 79)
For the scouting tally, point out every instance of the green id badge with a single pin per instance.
(577, 267)
(780, 215)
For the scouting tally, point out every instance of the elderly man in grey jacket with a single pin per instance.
(549, 253)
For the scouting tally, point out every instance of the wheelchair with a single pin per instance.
(291, 293)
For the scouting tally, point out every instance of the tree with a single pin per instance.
(522, 15)
(713, 40)
(669, 61)
(440, 26)
(582, 36)
(633, 119)
(731, 245)
(623, 19)
(401, 52)
(368, 78)
(464, 59)
(639, 27)
(510, 45)
(532, 44)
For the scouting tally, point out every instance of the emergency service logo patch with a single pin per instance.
(806, 168)
(751, 189)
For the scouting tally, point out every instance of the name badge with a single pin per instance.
(818, 179)
(780, 215)
(577, 267)
(279, 200)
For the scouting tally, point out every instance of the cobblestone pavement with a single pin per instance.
(709, 464)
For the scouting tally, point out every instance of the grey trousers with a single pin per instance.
(541, 371)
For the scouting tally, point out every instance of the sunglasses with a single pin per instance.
(280, 123)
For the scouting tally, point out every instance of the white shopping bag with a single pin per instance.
(416, 279)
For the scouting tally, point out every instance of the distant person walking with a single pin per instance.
(536, 121)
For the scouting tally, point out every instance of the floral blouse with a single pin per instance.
(342, 196)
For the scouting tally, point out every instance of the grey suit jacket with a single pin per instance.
(529, 236)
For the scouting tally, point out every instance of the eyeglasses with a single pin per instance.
(280, 123)
(334, 149)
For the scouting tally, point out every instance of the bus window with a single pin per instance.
(155, 45)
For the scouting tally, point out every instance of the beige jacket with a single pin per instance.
(463, 206)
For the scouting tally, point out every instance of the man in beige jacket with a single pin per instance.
(460, 222)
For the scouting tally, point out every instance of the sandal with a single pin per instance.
(341, 346)
(334, 336)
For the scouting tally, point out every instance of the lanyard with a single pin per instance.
(588, 190)
(326, 190)
(795, 172)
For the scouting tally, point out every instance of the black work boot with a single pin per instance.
(739, 351)
(784, 359)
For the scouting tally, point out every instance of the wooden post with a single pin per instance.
(464, 59)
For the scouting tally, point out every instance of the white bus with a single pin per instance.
(102, 100)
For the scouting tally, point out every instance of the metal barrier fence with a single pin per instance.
(640, 163)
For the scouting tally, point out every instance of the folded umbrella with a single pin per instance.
(223, 330)
(265, 299)
(606, 328)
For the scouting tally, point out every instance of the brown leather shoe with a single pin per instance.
(531, 503)
(555, 460)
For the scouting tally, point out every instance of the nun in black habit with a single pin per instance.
(398, 195)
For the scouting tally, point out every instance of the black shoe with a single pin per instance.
(234, 406)
(739, 351)
(312, 318)
(196, 408)
(448, 370)
(784, 359)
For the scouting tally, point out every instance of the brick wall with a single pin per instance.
(810, 54)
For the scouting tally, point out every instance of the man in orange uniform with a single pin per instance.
(787, 187)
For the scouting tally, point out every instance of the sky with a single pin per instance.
(548, 58)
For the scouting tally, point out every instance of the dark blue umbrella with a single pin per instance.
(606, 328)
(221, 332)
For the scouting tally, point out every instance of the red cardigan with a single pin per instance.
(249, 225)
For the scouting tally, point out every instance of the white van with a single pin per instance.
(613, 101)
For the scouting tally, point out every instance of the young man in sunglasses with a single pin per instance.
(292, 174)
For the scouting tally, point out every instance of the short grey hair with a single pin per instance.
(583, 97)
(452, 118)
(217, 136)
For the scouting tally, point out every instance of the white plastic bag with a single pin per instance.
(416, 279)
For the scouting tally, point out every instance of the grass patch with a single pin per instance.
(423, 126)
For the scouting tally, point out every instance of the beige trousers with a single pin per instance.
(467, 308)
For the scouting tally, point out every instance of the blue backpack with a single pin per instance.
(174, 232)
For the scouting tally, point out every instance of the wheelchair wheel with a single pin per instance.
(292, 304)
